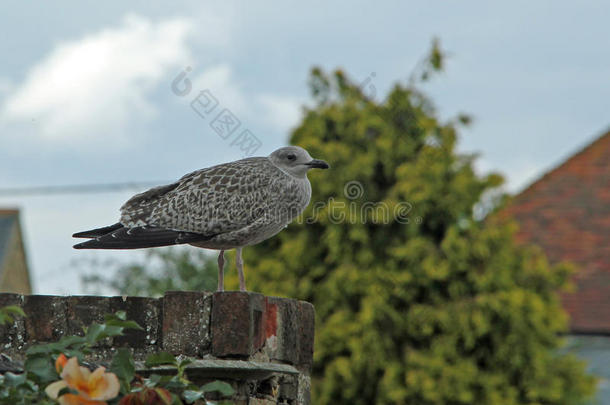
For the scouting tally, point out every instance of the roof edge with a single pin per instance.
(553, 169)
(9, 211)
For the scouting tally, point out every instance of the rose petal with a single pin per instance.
(53, 389)
(104, 385)
(72, 373)
(71, 399)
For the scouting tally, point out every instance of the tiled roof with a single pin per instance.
(8, 218)
(567, 213)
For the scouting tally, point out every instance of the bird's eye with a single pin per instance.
(291, 157)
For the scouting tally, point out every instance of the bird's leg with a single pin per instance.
(240, 269)
(221, 266)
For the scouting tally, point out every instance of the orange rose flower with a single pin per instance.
(92, 388)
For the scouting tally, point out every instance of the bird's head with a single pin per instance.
(295, 161)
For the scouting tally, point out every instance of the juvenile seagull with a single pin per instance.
(223, 207)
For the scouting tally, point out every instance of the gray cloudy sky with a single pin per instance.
(85, 91)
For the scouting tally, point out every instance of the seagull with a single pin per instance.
(228, 206)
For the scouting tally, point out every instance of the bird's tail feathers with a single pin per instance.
(94, 233)
(141, 237)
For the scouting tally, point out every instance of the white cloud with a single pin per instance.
(93, 86)
(281, 112)
(219, 81)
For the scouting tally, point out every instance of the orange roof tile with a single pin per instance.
(567, 213)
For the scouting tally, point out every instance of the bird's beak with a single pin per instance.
(319, 164)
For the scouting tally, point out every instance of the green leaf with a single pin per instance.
(14, 380)
(191, 396)
(38, 349)
(93, 333)
(120, 319)
(219, 386)
(160, 359)
(8, 313)
(111, 331)
(69, 345)
(67, 341)
(125, 324)
(75, 353)
(41, 366)
(97, 332)
(124, 367)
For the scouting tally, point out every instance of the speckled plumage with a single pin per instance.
(227, 206)
(236, 204)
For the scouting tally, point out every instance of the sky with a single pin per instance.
(90, 92)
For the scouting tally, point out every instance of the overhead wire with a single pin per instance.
(76, 188)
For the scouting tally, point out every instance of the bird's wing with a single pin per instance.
(210, 201)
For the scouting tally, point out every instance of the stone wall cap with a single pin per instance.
(236, 369)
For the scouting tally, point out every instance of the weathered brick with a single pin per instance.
(12, 334)
(237, 323)
(46, 317)
(306, 321)
(281, 328)
(186, 322)
(146, 312)
(82, 311)
(288, 388)
(304, 390)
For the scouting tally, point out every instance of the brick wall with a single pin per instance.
(262, 345)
